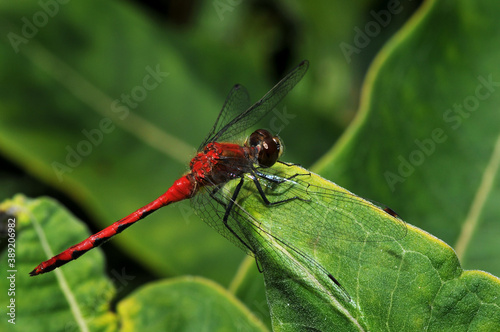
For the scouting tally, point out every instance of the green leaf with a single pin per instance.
(392, 278)
(78, 296)
(185, 304)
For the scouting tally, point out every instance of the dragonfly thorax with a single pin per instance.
(221, 162)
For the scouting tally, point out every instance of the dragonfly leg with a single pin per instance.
(288, 164)
(276, 180)
(228, 207)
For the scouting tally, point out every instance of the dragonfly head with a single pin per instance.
(269, 148)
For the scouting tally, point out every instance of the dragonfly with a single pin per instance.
(221, 160)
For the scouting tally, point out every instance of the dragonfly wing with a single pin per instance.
(333, 213)
(257, 111)
(325, 214)
(237, 101)
(210, 205)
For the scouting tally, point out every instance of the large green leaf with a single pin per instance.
(392, 278)
(78, 296)
(185, 304)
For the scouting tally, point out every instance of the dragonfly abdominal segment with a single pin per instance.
(181, 189)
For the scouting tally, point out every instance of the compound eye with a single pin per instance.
(269, 148)
(256, 138)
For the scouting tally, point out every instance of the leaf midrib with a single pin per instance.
(481, 195)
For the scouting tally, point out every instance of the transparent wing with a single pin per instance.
(210, 205)
(323, 214)
(332, 214)
(223, 131)
(237, 101)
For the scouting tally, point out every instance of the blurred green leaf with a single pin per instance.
(74, 298)
(405, 281)
(185, 304)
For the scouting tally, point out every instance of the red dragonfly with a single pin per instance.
(214, 165)
(219, 162)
